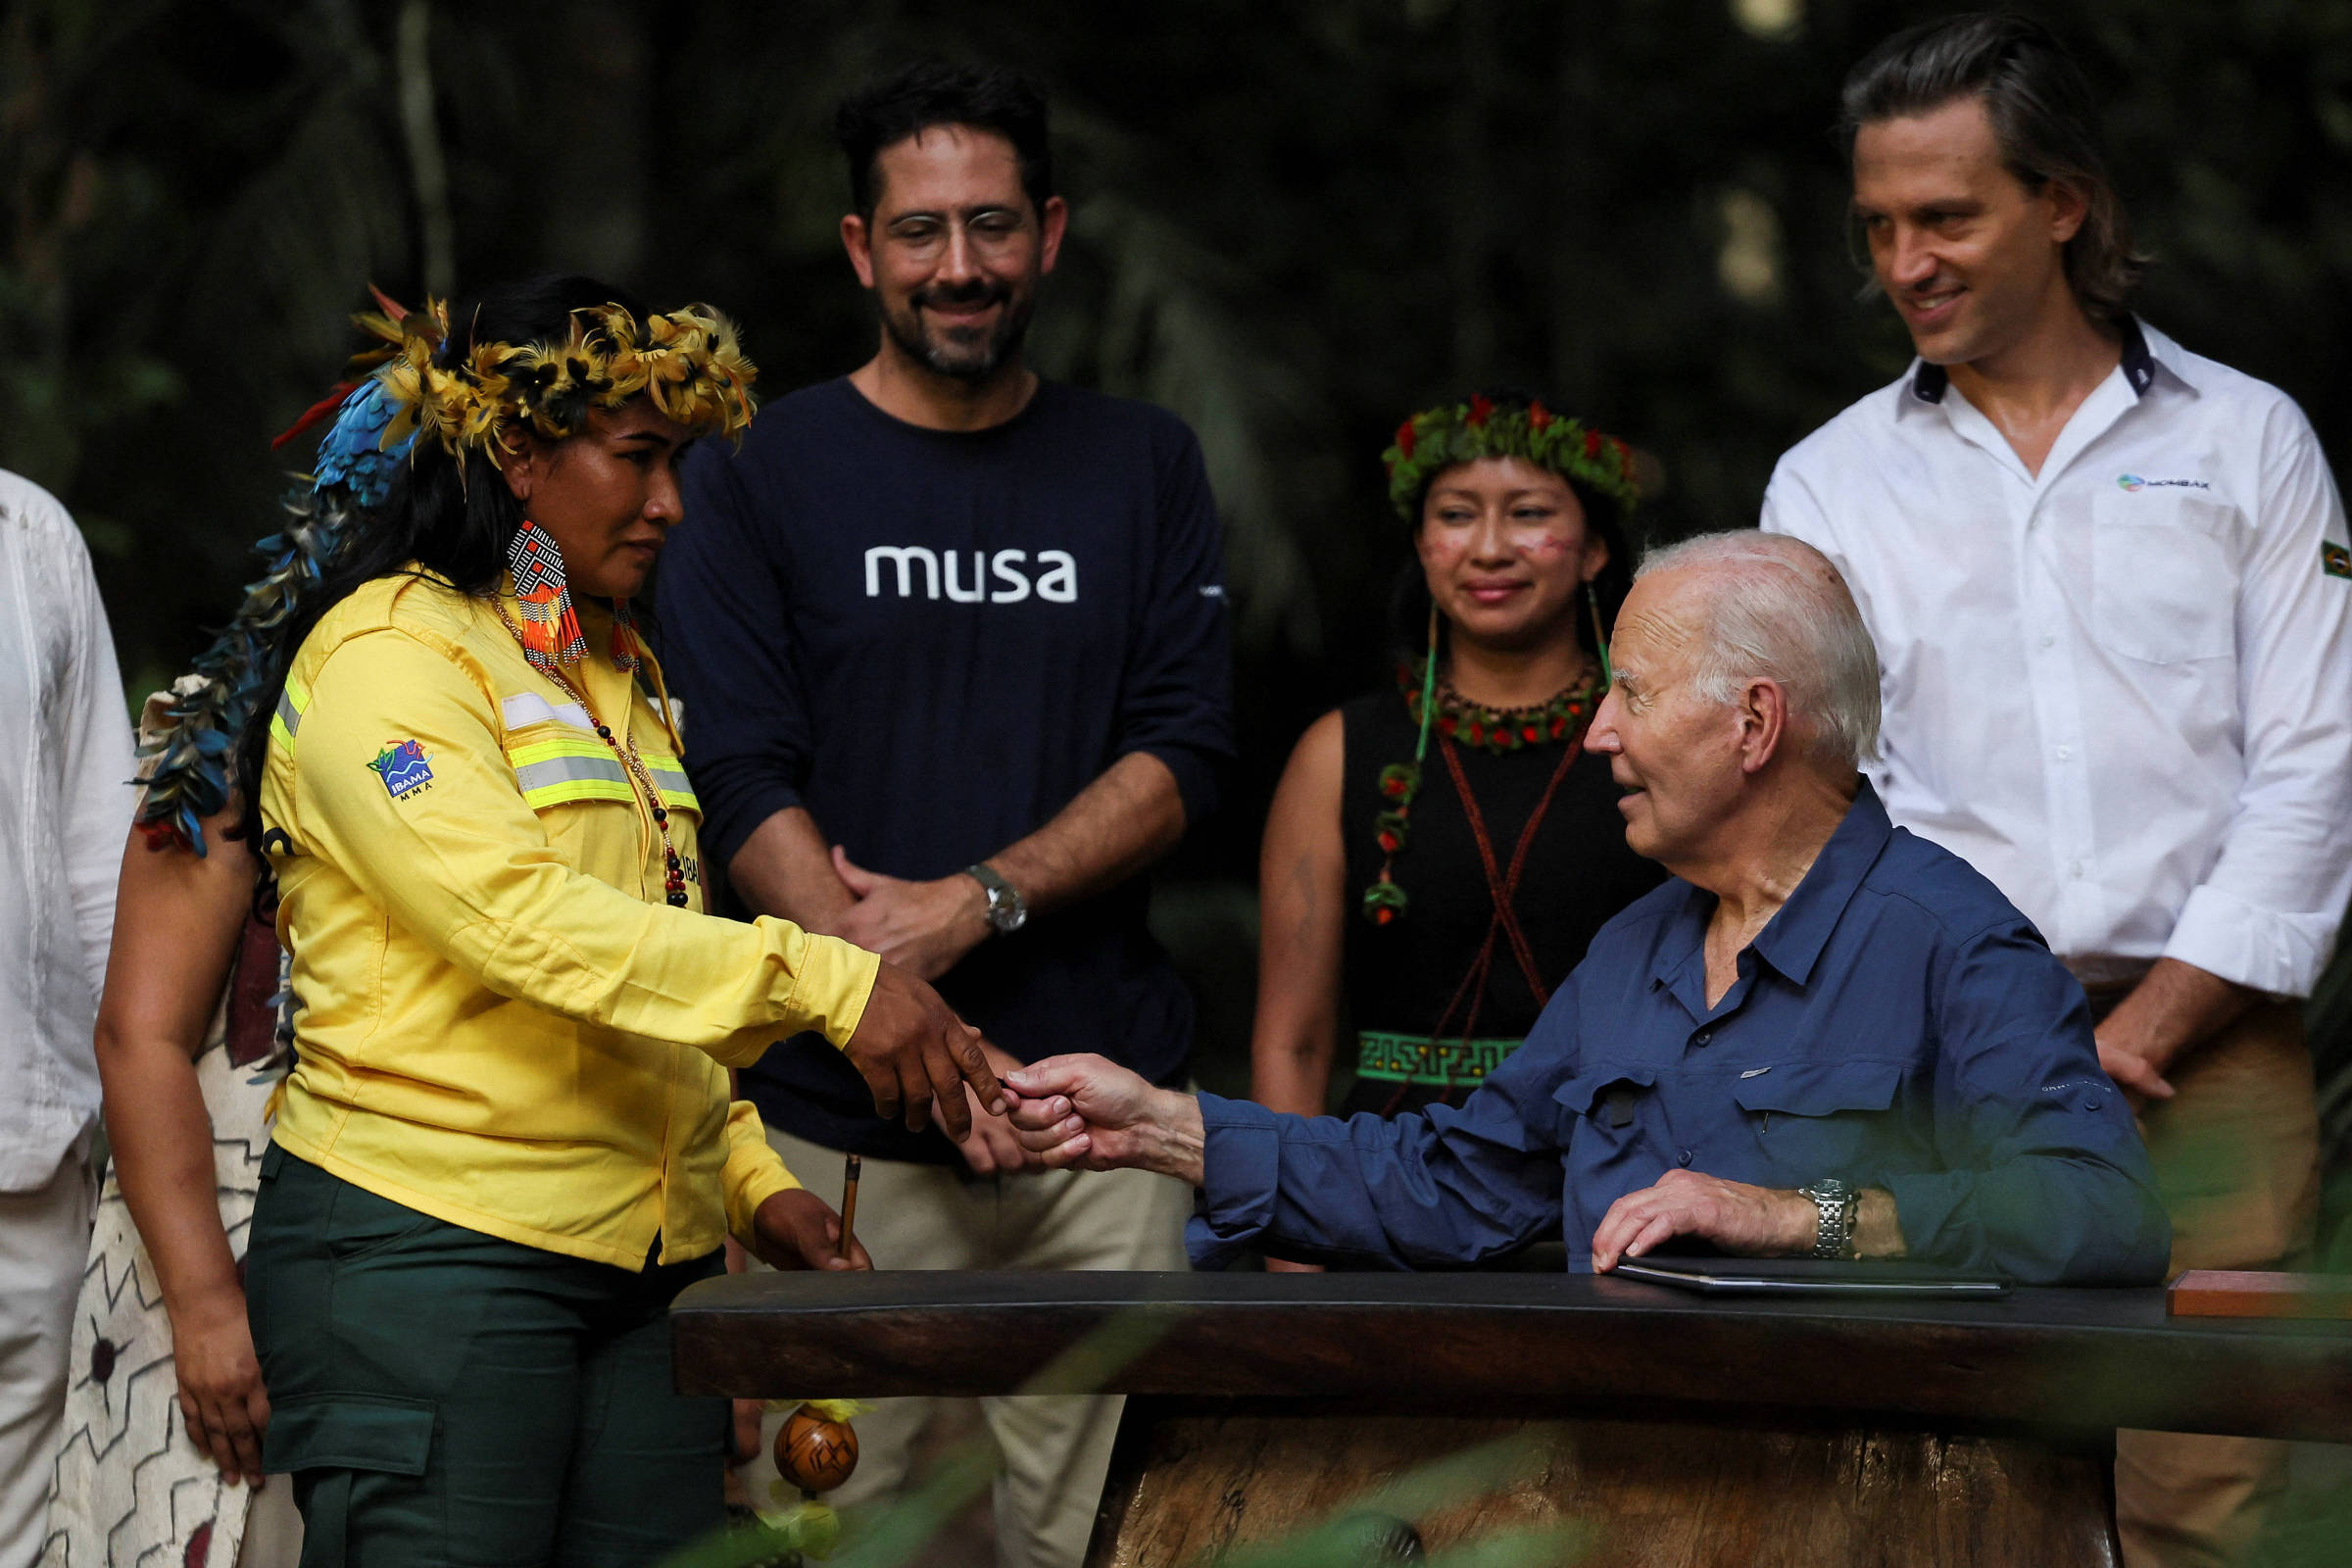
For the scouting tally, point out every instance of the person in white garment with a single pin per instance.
(65, 757)
(2109, 583)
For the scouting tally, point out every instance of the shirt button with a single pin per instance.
(1702, 1036)
(2074, 868)
(2049, 641)
(2065, 753)
(1684, 1159)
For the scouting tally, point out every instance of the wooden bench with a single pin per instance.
(1673, 1428)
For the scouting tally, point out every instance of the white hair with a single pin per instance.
(1776, 609)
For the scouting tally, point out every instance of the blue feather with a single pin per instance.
(353, 454)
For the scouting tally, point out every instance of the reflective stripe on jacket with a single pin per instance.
(501, 1022)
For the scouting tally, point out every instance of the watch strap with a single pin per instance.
(1007, 911)
(1833, 1206)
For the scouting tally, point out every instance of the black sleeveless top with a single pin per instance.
(1400, 977)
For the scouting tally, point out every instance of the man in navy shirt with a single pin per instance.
(951, 644)
(1824, 1037)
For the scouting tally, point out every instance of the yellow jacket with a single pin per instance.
(500, 1021)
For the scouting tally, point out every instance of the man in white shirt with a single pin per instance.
(2109, 583)
(65, 811)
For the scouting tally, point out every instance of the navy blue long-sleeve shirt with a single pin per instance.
(933, 641)
(1897, 1024)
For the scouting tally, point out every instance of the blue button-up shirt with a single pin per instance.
(1898, 1024)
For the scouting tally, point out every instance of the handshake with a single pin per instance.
(1091, 1115)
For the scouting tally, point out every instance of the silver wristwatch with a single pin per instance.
(1008, 911)
(1836, 1201)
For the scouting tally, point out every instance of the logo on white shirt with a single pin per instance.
(997, 578)
(2132, 481)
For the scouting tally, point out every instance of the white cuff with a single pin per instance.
(2222, 934)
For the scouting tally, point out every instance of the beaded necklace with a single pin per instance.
(673, 869)
(1437, 706)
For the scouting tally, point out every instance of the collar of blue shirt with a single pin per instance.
(1793, 939)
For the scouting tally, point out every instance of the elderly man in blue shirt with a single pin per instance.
(1824, 1037)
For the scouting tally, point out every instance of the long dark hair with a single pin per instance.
(2044, 117)
(1408, 603)
(451, 515)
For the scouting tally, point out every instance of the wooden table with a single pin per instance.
(1674, 1428)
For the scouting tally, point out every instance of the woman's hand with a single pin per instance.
(916, 1057)
(796, 1229)
(1094, 1114)
(222, 1404)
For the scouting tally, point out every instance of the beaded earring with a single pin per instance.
(550, 631)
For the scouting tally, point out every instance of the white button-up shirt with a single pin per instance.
(2121, 688)
(64, 808)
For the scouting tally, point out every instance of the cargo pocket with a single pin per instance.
(1817, 1117)
(328, 1442)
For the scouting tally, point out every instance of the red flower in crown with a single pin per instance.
(1591, 443)
(1625, 459)
(1529, 733)
(1405, 439)
(1538, 417)
(1481, 409)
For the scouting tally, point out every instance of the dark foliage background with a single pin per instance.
(1293, 224)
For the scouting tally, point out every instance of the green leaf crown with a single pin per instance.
(1438, 438)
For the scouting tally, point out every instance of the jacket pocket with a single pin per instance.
(1819, 1119)
(1607, 1100)
(1819, 1088)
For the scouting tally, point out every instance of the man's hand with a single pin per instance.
(994, 1148)
(2175, 1009)
(222, 1404)
(794, 1229)
(916, 1057)
(2137, 1064)
(922, 927)
(1086, 1112)
(1743, 1220)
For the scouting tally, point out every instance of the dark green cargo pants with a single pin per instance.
(444, 1398)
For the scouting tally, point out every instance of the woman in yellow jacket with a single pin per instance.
(508, 1142)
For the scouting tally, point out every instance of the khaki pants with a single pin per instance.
(44, 1240)
(1054, 1450)
(2236, 1157)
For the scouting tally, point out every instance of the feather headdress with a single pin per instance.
(688, 363)
(188, 780)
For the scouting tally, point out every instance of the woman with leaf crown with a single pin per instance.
(1441, 851)
(506, 1138)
